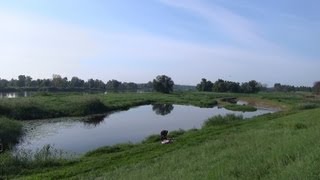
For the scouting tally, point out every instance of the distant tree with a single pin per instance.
(163, 84)
(204, 85)
(251, 87)
(3, 83)
(65, 83)
(283, 88)
(28, 81)
(99, 84)
(220, 86)
(316, 87)
(233, 87)
(113, 85)
(21, 81)
(76, 82)
(255, 86)
(57, 81)
(162, 109)
(91, 84)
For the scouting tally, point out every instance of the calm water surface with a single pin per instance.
(134, 125)
(14, 94)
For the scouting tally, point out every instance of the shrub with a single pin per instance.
(221, 120)
(300, 126)
(243, 108)
(110, 149)
(307, 106)
(10, 131)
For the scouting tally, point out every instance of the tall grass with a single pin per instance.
(243, 108)
(10, 132)
(22, 160)
(47, 105)
(222, 120)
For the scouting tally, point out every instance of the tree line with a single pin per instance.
(59, 83)
(288, 88)
(229, 86)
(251, 87)
(161, 83)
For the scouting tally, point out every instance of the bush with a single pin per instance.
(152, 139)
(307, 106)
(10, 131)
(243, 108)
(110, 149)
(222, 120)
(300, 126)
(48, 156)
(174, 134)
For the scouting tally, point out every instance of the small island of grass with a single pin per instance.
(243, 108)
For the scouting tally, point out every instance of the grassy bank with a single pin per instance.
(275, 146)
(243, 108)
(66, 104)
(10, 132)
(283, 145)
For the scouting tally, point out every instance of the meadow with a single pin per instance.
(282, 145)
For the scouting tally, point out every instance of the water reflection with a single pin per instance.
(14, 94)
(94, 121)
(162, 109)
(133, 125)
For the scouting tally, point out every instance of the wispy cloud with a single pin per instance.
(239, 28)
(40, 47)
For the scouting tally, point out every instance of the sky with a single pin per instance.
(134, 41)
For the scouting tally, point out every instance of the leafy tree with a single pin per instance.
(57, 81)
(220, 86)
(316, 87)
(76, 82)
(28, 81)
(205, 85)
(91, 84)
(162, 109)
(283, 88)
(113, 85)
(163, 84)
(21, 81)
(255, 86)
(251, 87)
(233, 87)
(3, 83)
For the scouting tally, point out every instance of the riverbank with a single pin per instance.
(10, 132)
(54, 105)
(268, 146)
(280, 145)
(46, 105)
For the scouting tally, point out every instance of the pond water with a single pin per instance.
(134, 125)
(14, 94)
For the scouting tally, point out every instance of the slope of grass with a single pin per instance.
(43, 106)
(284, 145)
(10, 132)
(243, 108)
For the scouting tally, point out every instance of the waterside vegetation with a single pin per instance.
(279, 145)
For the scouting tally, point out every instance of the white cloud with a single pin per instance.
(40, 47)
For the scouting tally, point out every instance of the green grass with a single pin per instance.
(243, 108)
(10, 132)
(283, 145)
(43, 106)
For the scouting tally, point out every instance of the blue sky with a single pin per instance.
(269, 41)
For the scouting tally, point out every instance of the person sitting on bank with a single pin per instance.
(163, 137)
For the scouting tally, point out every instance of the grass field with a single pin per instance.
(283, 145)
(76, 104)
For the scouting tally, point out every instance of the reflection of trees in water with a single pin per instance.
(95, 120)
(162, 109)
